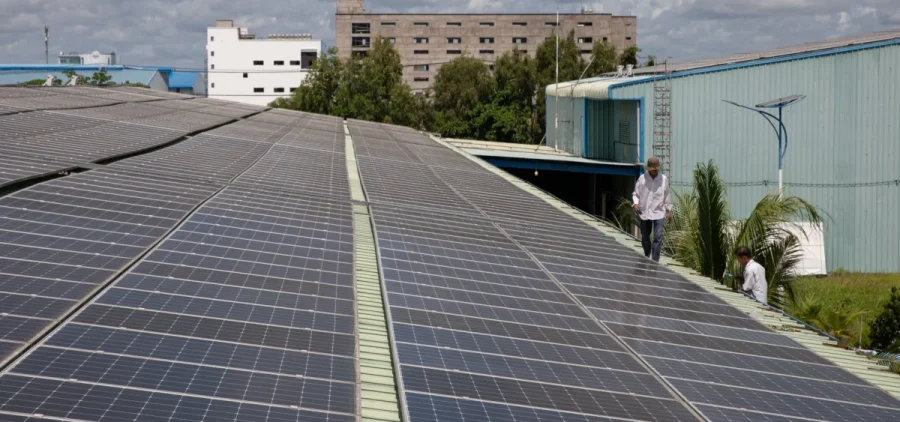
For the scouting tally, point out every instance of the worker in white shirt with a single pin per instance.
(653, 204)
(754, 275)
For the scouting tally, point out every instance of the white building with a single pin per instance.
(256, 71)
(92, 58)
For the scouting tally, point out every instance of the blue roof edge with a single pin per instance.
(763, 62)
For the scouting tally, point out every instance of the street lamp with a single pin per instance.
(781, 130)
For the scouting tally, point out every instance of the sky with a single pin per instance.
(173, 32)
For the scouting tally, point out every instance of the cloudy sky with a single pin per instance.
(172, 32)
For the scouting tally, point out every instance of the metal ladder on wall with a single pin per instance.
(662, 118)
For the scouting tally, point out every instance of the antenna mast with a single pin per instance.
(47, 43)
(662, 118)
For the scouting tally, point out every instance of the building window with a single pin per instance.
(520, 40)
(585, 24)
(388, 24)
(359, 28)
(485, 51)
(420, 40)
(549, 23)
(278, 63)
(586, 52)
(279, 89)
(212, 53)
(295, 62)
(259, 90)
(454, 51)
(420, 79)
(212, 66)
(420, 68)
(454, 23)
(486, 24)
(454, 40)
(628, 38)
(360, 42)
(585, 40)
(293, 89)
(520, 23)
(257, 62)
(245, 75)
(491, 68)
(605, 39)
(486, 40)
(420, 24)
(392, 40)
(212, 85)
(420, 51)
(307, 58)
(211, 38)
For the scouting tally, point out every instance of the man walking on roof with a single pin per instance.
(653, 204)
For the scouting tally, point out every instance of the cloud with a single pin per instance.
(172, 32)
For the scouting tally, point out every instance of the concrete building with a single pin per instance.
(425, 41)
(247, 69)
(843, 139)
(95, 57)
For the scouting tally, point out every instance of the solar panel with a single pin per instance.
(213, 279)
(495, 294)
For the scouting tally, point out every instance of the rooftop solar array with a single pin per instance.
(208, 274)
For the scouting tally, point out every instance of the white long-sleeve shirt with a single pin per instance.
(652, 196)
(755, 281)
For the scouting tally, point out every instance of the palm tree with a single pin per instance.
(704, 235)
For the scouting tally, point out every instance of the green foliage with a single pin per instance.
(570, 67)
(651, 61)
(604, 59)
(101, 77)
(366, 88)
(885, 329)
(136, 84)
(629, 56)
(37, 82)
(82, 80)
(704, 235)
(461, 89)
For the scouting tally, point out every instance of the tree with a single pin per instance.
(101, 77)
(651, 61)
(885, 329)
(516, 78)
(317, 92)
(604, 59)
(704, 234)
(460, 87)
(570, 67)
(629, 56)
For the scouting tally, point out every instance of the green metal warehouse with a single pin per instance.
(843, 151)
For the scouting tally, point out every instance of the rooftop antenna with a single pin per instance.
(47, 43)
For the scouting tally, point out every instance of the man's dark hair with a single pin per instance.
(743, 251)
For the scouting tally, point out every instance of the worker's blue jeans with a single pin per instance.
(651, 250)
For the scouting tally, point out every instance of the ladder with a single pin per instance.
(662, 119)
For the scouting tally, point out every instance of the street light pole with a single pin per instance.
(780, 131)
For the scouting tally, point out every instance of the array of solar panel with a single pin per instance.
(244, 312)
(493, 301)
(37, 142)
(61, 239)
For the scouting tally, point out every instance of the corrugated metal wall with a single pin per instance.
(571, 124)
(847, 131)
(612, 130)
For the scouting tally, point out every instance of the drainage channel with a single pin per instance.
(380, 398)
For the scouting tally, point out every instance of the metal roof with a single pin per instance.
(600, 88)
(811, 47)
(183, 80)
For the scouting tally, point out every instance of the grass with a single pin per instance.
(847, 293)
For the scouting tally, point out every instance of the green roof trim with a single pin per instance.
(859, 365)
(377, 387)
